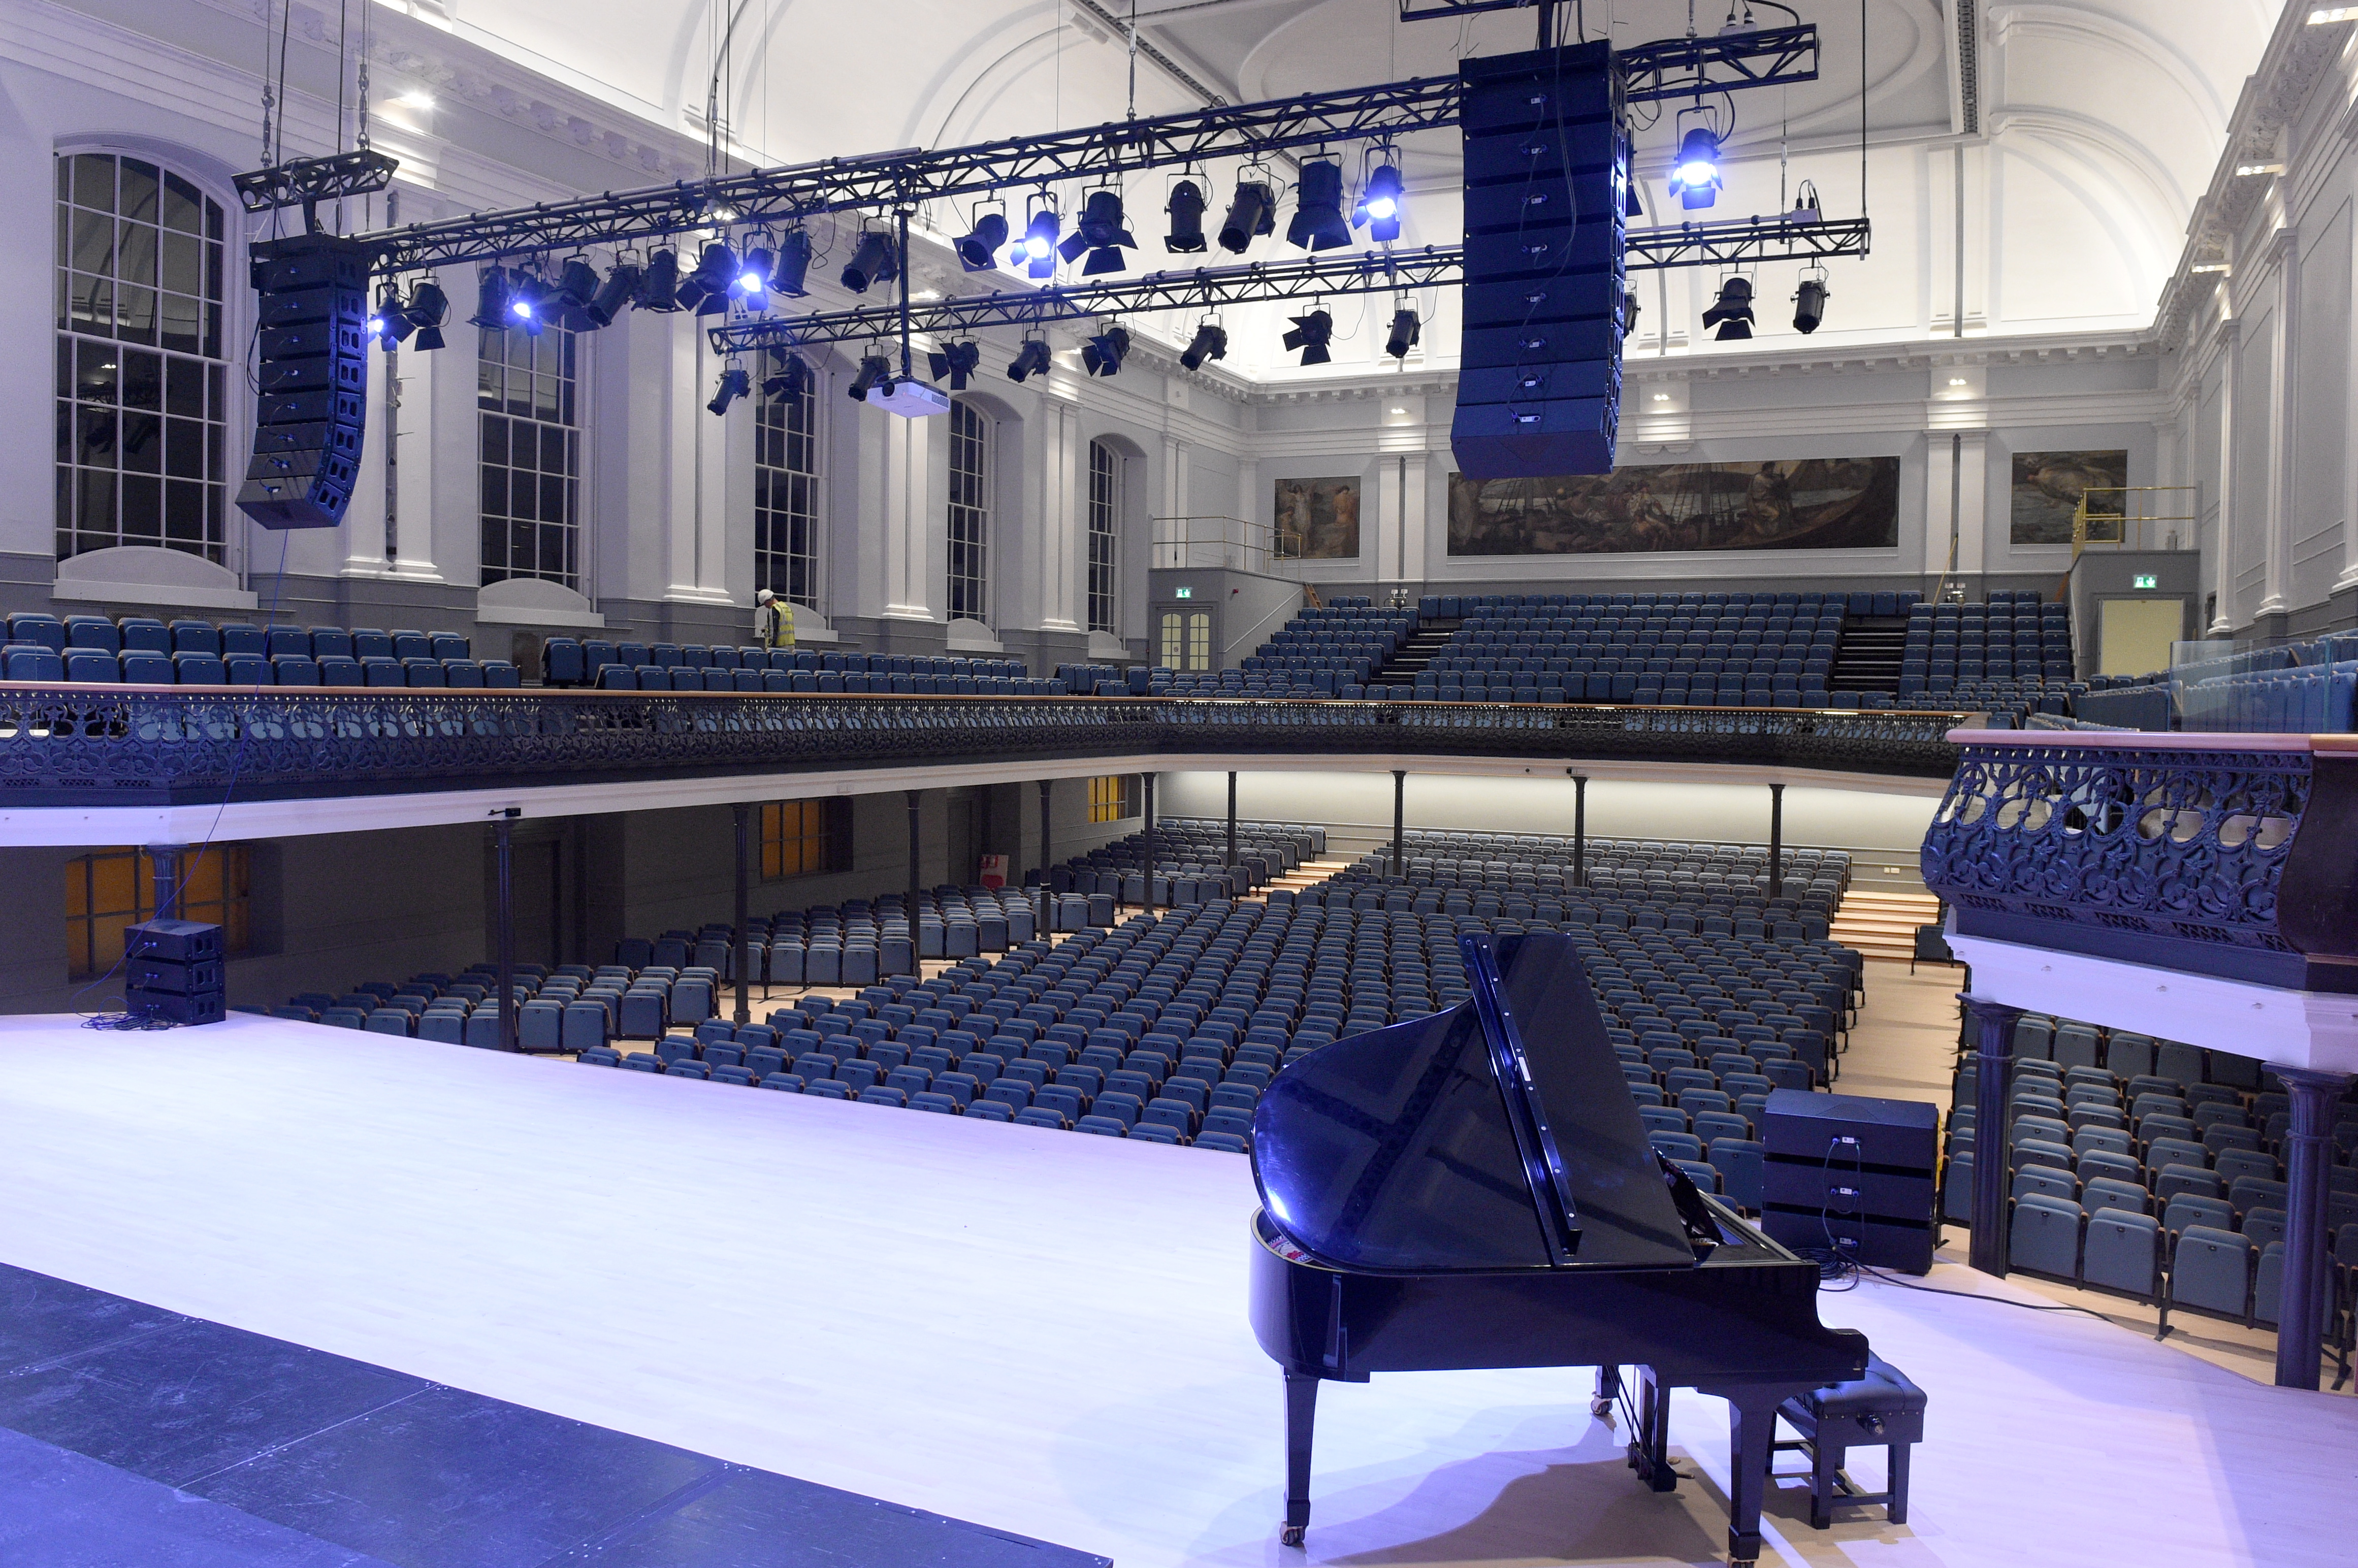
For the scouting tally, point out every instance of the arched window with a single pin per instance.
(1105, 536)
(786, 493)
(143, 418)
(969, 512)
(525, 397)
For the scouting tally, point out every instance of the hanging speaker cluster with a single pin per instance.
(1546, 145)
(312, 367)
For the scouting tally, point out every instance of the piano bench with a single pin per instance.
(1882, 1408)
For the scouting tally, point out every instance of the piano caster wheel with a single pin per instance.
(1602, 1410)
(1291, 1534)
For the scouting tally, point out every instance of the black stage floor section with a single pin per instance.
(136, 1436)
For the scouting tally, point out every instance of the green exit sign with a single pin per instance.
(1190, 593)
(2146, 580)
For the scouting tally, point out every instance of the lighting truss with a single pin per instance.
(911, 175)
(1681, 68)
(1744, 240)
(1200, 288)
(307, 182)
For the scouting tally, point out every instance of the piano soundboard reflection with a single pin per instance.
(1474, 1189)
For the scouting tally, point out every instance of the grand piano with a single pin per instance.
(1474, 1189)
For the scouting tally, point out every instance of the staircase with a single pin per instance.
(1308, 874)
(1423, 646)
(1867, 657)
(1883, 925)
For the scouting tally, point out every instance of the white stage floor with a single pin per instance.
(1038, 1331)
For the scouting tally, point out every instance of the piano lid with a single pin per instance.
(1498, 1134)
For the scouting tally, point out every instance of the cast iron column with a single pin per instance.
(2300, 1303)
(1580, 831)
(916, 883)
(1776, 840)
(164, 859)
(745, 811)
(1232, 821)
(1400, 822)
(1146, 789)
(1047, 862)
(1995, 1023)
(503, 839)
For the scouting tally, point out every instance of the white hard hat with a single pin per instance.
(763, 597)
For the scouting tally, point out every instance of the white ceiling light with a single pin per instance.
(1956, 381)
(2245, 169)
(415, 98)
(2321, 14)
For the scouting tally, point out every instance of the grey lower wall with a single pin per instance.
(331, 910)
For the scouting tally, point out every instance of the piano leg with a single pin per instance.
(1609, 1391)
(1751, 1428)
(1649, 1443)
(1301, 1411)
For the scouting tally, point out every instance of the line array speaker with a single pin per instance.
(1853, 1173)
(172, 971)
(1547, 174)
(312, 356)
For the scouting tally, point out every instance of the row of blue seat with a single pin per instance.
(139, 633)
(30, 662)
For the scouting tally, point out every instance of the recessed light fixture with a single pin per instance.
(1400, 410)
(1662, 398)
(1956, 381)
(2244, 170)
(415, 98)
(2321, 14)
(2209, 266)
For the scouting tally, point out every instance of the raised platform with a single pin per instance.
(1040, 1333)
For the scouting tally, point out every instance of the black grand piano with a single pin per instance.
(1474, 1189)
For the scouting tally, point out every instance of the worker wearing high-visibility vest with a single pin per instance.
(774, 621)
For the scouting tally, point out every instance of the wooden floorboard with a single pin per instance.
(1038, 1331)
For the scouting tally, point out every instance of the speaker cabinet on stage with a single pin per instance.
(1546, 144)
(173, 971)
(1853, 1173)
(312, 355)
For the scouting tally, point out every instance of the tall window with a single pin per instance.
(970, 515)
(532, 455)
(110, 889)
(1113, 798)
(802, 837)
(142, 454)
(1104, 520)
(785, 494)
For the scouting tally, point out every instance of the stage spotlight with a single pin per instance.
(979, 251)
(873, 263)
(792, 378)
(1252, 212)
(1103, 354)
(491, 296)
(956, 360)
(1037, 253)
(429, 308)
(1407, 327)
(531, 302)
(791, 267)
(659, 283)
(1031, 359)
(1099, 233)
(705, 290)
(753, 277)
(1695, 178)
(734, 384)
(576, 284)
(1732, 314)
(1809, 303)
(875, 374)
(1211, 342)
(1378, 210)
(1186, 210)
(389, 323)
(1629, 314)
(614, 295)
(1318, 222)
(1311, 335)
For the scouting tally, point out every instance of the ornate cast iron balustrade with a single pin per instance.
(2222, 855)
(88, 745)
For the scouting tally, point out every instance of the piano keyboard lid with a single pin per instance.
(1500, 1133)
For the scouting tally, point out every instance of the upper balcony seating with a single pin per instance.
(615, 665)
(142, 650)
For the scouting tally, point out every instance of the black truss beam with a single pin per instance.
(912, 176)
(1681, 68)
(307, 182)
(1737, 240)
(1201, 288)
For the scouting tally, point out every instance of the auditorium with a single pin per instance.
(1190, 783)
